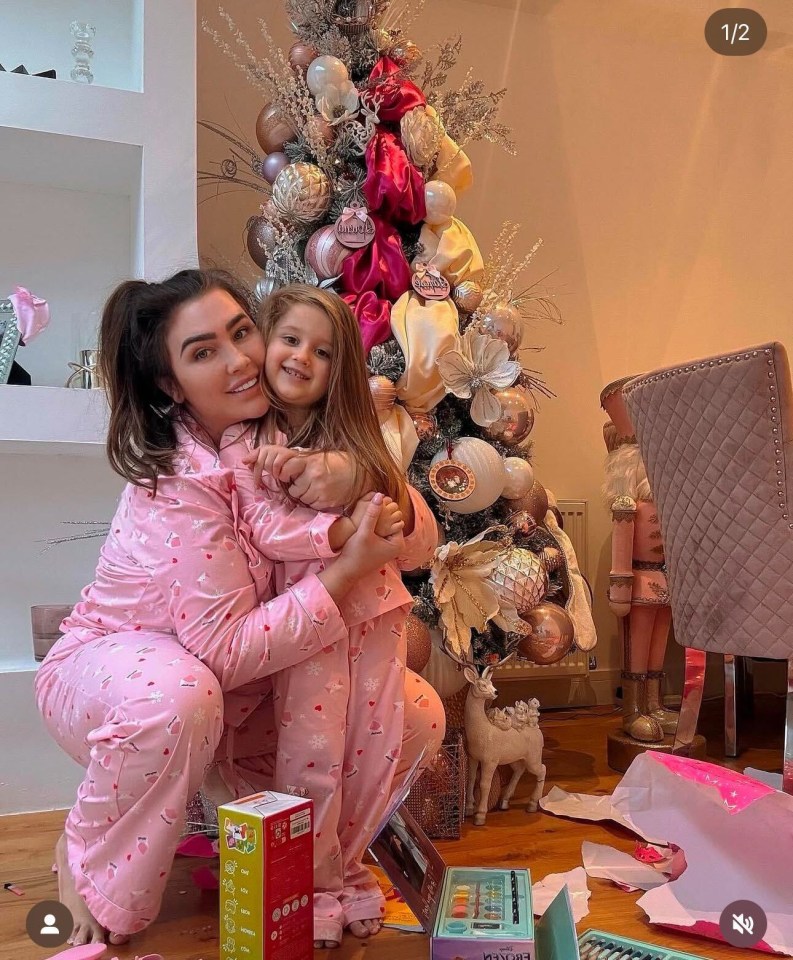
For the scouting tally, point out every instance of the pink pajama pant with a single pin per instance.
(340, 722)
(145, 719)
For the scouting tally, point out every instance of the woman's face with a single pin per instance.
(299, 356)
(216, 355)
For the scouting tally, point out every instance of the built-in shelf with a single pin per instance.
(52, 420)
(37, 33)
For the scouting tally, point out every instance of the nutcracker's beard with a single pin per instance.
(625, 475)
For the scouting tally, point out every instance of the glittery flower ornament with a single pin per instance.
(31, 312)
(338, 103)
(479, 365)
(459, 573)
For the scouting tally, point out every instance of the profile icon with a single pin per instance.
(49, 923)
(49, 926)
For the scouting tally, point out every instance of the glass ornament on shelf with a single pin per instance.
(82, 51)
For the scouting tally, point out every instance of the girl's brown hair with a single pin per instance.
(344, 419)
(134, 366)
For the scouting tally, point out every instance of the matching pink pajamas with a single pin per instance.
(340, 717)
(166, 666)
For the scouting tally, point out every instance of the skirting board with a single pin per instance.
(595, 688)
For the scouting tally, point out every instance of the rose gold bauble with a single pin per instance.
(503, 321)
(426, 425)
(260, 241)
(319, 127)
(419, 643)
(552, 634)
(324, 253)
(467, 296)
(517, 416)
(302, 193)
(274, 128)
(383, 391)
(300, 56)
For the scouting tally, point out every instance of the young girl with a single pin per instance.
(339, 738)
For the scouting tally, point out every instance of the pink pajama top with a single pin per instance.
(181, 563)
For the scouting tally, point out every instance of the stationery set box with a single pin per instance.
(266, 878)
(471, 913)
(474, 913)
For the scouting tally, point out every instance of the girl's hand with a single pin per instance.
(390, 521)
(282, 463)
(365, 550)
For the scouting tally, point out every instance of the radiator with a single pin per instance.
(574, 515)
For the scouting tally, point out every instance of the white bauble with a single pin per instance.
(486, 464)
(440, 200)
(441, 672)
(520, 478)
(323, 71)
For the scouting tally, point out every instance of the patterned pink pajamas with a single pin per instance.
(341, 716)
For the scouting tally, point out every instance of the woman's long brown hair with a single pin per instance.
(133, 362)
(345, 418)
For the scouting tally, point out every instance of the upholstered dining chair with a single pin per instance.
(715, 436)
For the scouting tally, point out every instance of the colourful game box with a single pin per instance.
(266, 878)
(472, 913)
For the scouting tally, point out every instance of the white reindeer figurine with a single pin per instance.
(518, 742)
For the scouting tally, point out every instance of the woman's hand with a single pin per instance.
(323, 481)
(390, 520)
(363, 553)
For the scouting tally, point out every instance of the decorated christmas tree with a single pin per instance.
(359, 162)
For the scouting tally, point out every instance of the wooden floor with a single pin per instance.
(575, 756)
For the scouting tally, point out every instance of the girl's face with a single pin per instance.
(216, 355)
(299, 355)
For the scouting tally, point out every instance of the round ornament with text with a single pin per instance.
(429, 283)
(355, 227)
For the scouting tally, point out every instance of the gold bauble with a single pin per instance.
(383, 394)
(535, 503)
(551, 636)
(517, 416)
(405, 53)
(520, 579)
(503, 321)
(302, 192)
(520, 478)
(467, 296)
(421, 131)
(274, 127)
(426, 425)
(419, 643)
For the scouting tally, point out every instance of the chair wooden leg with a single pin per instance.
(730, 708)
(693, 686)
(787, 760)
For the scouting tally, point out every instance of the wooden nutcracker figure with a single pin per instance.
(638, 593)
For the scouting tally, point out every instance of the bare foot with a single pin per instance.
(86, 928)
(326, 944)
(365, 928)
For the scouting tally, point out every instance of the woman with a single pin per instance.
(164, 665)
